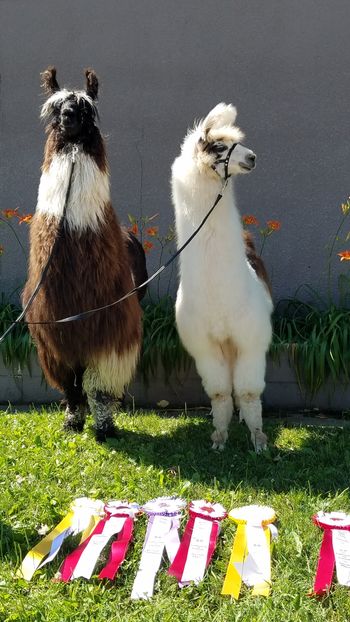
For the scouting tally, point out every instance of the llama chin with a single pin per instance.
(95, 263)
(223, 306)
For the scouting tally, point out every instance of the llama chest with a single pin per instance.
(220, 294)
(88, 195)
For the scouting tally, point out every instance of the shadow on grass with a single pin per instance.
(313, 458)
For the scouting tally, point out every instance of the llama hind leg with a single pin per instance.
(216, 376)
(102, 406)
(104, 382)
(248, 381)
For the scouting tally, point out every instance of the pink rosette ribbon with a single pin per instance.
(198, 542)
(334, 551)
(164, 515)
(118, 520)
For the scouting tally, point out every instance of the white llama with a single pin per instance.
(223, 305)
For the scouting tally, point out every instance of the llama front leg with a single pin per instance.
(216, 378)
(74, 417)
(248, 381)
(76, 409)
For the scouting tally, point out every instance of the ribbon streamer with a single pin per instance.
(162, 532)
(334, 552)
(250, 559)
(198, 542)
(118, 519)
(82, 517)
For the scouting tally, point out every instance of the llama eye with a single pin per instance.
(218, 147)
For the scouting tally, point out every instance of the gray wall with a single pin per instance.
(162, 63)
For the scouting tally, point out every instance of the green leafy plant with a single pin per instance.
(18, 346)
(316, 340)
(316, 332)
(161, 343)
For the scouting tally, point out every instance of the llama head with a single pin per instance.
(72, 114)
(217, 135)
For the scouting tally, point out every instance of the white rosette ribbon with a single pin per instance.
(164, 515)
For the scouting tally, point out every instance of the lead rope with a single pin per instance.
(85, 314)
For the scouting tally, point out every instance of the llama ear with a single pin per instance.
(220, 116)
(48, 80)
(91, 83)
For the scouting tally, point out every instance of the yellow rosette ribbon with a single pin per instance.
(82, 517)
(250, 559)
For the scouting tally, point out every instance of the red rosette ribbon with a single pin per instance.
(198, 542)
(334, 551)
(118, 520)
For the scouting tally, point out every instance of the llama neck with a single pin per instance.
(89, 193)
(219, 245)
(194, 196)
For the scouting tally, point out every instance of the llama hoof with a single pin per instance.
(219, 439)
(218, 447)
(74, 420)
(110, 431)
(259, 440)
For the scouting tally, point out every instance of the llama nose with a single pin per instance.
(69, 114)
(250, 158)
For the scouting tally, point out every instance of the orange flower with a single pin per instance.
(147, 246)
(10, 213)
(344, 256)
(250, 220)
(27, 218)
(134, 229)
(152, 231)
(1, 250)
(274, 225)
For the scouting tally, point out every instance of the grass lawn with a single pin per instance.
(43, 469)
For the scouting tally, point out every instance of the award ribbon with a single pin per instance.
(162, 532)
(198, 542)
(335, 550)
(82, 517)
(250, 559)
(118, 519)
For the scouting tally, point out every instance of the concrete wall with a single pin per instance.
(284, 63)
(184, 388)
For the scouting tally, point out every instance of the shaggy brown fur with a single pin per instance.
(255, 260)
(88, 271)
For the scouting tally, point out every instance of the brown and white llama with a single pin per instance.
(223, 304)
(95, 263)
